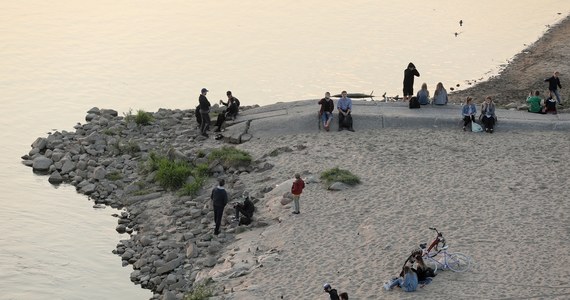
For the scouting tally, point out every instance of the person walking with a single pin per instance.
(204, 112)
(296, 190)
(332, 292)
(219, 200)
(409, 74)
(553, 85)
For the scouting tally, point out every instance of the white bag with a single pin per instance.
(476, 127)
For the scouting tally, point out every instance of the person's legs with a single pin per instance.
(395, 282)
(466, 120)
(329, 117)
(296, 204)
(218, 213)
(340, 121)
(557, 94)
(205, 123)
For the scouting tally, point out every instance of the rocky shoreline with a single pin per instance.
(171, 239)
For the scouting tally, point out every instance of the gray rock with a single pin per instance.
(171, 279)
(88, 189)
(99, 173)
(169, 266)
(67, 166)
(191, 251)
(55, 178)
(121, 228)
(40, 143)
(41, 163)
(338, 186)
(168, 295)
(209, 261)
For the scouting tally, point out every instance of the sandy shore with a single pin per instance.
(501, 199)
(528, 70)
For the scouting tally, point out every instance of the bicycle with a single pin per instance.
(441, 258)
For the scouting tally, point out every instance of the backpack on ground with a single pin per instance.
(414, 102)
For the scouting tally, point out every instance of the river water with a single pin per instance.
(60, 58)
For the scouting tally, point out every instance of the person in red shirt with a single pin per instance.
(296, 190)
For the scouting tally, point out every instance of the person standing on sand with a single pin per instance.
(296, 190)
(553, 85)
(344, 107)
(204, 112)
(326, 112)
(332, 292)
(219, 200)
(409, 74)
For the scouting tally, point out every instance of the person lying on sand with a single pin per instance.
(408, 283)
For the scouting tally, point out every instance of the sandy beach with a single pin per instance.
(501, 199)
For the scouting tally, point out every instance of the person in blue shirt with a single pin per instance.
(408, 283)
(423, 95)
(468, 112)
(344, 107)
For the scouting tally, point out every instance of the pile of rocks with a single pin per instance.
(170, 236)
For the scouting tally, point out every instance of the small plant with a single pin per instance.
(200, 292)
(143, 118)
(200, 173)
(109, 131)
(131, 147)
(230, 157)
(114, 176)
(201, 153)
(340, 175)
(172, 174)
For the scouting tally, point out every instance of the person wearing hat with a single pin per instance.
(332, 292)
(204, 112)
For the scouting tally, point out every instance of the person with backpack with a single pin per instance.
(296, 190)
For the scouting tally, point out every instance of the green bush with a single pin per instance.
(230, 157)
(172, 174)
(143, 118)
(340, 175)
(114, 176)
(200, 292)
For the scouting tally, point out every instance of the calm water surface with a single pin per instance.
(60, 58)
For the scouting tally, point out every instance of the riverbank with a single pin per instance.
(527, 71)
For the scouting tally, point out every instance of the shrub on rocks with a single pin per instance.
(230, 157)
(142, 118)
(200, 292)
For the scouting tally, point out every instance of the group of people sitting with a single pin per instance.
(344, 107)
(423, 96)
(414, 274)
(542, 106)
(487, 117)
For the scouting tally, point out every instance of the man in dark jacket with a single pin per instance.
(204, 112)
(246, 209)
(332, 292)
(219, 200)
(409, 74)
(553, 85)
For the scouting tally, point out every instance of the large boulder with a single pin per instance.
(42, 163)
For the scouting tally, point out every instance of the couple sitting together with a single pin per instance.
(538, 105)
(344, 107)
(487, 118)
(412, 276)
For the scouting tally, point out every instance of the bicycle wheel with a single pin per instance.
(458, 262)
(431, 263)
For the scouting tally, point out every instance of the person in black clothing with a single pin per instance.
(409, 74)
(332, 292)
(204, 112)
(343, 296)
(550, 104)
(553, 85)
(219, 200)
(246, 209)
(326, 112)
(230, 112)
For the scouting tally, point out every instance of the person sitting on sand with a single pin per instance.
(535, 103)
(468, 112)
(550, 104)
(332, 292)
(343, 296)
(440, 95)
(344, 107)
(408, 283)
(488, 117)
(424, 272)
(423, 95)
(326, 112)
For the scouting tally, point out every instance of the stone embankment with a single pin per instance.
(170, 237)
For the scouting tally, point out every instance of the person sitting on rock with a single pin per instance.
(246, 209)
(423, 95)
(488, 117)
(440, 95)
(229, 113)
(326, 111)
(468, 112)
(535, 103)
